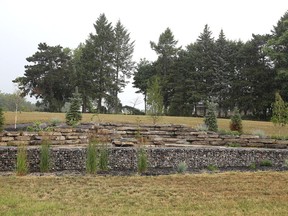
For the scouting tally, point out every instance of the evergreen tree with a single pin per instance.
(236, 122)
(167, 51)
(123, 62)
(144, 71)
(48, 77)
(2, 119)
(73, 116)
(210, 119)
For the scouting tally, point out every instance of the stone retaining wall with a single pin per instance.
(126, 158)
(129, 135)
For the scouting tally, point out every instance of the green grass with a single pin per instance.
(249, 126)
(259, 193)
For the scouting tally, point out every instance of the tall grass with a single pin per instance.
(45, 156)
(91, 161)
(21, 164)
(142, 161)
(103, 156)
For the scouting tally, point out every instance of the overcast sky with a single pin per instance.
(26, 23)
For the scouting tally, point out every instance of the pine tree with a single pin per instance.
(73, 116)
(210, 119)
(236, 122)
(1, 119)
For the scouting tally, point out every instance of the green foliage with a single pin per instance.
(252, 166)
(259, 133)
(91, 160)
(73, 116)
(210, 119)
(35, 127)
(7, 102)
(202, 127)
(266, 163)
(48, 76)
(2, 119)
(21, 164)
(229, 132)
(103, 157)
(280, 111)
(236, 122)
(142, 160)
(286, 163)
(154, 100)
(182, 167)
(45, 156)
(212, 168)
(55, 121)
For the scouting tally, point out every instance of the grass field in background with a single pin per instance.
(249, 126)
(233, 193)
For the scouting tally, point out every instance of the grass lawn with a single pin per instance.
(249, 126)
(232, 193)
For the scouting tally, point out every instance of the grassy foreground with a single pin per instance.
(249, 126)
(260, 193)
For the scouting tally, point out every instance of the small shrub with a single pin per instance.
(2, 119)
(212, 167)
(91, 162)
(44, 157)
(202, 127)
(259, 133)
(182, 167)
(35, 127)
(73, 116)
(103, 157)
(55, 121)
(142, 161)
(286, 163)
(229, 132)
(236, 122)
(252, 166)
(266, 163)
(21, 165)
(210, 119)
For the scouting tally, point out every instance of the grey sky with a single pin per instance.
(24, 24)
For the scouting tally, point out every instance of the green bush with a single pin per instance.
(2, 119)
(236, 122)
(259, 133)
(182, 167)
(210, 119)
(142, 161)
(21, 164)
(267, 163)
(212, 167)
(91, 160)
(252, 166)
(44, 157)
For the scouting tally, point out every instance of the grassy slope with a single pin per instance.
(249, 126)
(260, 193)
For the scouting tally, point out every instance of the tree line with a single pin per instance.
(229, 73)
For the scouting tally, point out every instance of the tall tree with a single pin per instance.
(277, 49)
(144, 71)
(99, 59)
(48, 76)
(123, 62)
(167, 51)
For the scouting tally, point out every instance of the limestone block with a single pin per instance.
(18, 142)
(71, 137)
(59, 138)
(12, 134)
(23, 138)
(282, 142)
(266, 141)
(249, 136)
(6, 139)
